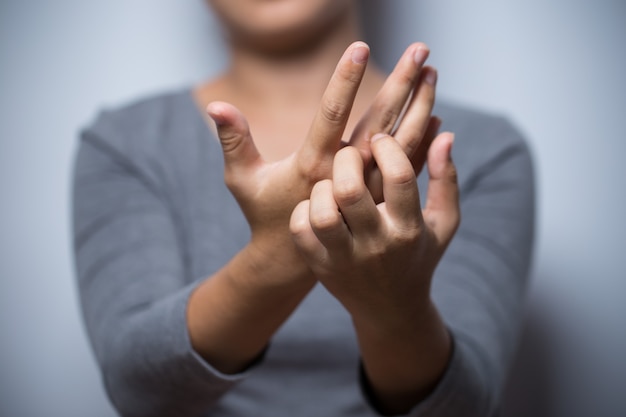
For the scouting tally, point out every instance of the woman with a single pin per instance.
(307, 286)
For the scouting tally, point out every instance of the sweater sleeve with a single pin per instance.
(479, 284)
(134, 290)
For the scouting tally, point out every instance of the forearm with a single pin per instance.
(404, 357)
(233, 314)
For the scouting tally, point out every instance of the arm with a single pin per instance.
(410, 364)
(165, 347)
(480, 283)
(224, 311)
(378, 260)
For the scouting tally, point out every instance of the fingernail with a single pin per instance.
(450, 146)
(360, 54)
(420, 54)
(431, 76)
(213, 112)
(377, 136)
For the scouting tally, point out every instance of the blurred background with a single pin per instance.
(557, 68)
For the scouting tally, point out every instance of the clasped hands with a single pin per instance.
(351, 213)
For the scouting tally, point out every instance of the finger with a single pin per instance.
(326, 220)
(324, 138)
(239, 150)
(303, 235)
(442, 213)
(352, 196)
(392, 97)
(374, 179)
(418, 159)
(415, 121)
(401, 196)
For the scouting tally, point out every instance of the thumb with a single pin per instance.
(442, 210)
(233, 131)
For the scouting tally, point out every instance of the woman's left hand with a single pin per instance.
(379, 258)
(378, 261)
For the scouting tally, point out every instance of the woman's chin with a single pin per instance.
(280, 25)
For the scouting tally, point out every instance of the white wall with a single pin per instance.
(556, 67)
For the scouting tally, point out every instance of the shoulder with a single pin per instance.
(147, 124)
(478, 130)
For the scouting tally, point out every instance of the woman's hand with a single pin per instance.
(378, 261)
(268, 192)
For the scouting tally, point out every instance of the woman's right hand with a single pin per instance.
(268, 192)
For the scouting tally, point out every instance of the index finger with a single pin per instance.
(324, 138)
(390, 102)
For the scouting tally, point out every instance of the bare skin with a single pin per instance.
(291, 182)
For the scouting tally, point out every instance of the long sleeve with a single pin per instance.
(134, 285)
(152, 217)
(479, 285)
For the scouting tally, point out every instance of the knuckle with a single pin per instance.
(348, 191)
(230, 141)
(381, 248)
(349, 74)
(326, 220)
(312, 168)
(405, 78)
(407, 234)
(298, 227)
(334, 111)
(400, 175)
(299, 222)
(452, 174)
(231, 138)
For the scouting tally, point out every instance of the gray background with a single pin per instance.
(555, 67)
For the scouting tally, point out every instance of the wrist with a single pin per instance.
(395, 320)
(403, 359)
(273, 263)
(232, 315)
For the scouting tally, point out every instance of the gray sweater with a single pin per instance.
(152, 218)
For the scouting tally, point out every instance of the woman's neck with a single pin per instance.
(279, 93)
(292, 77)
